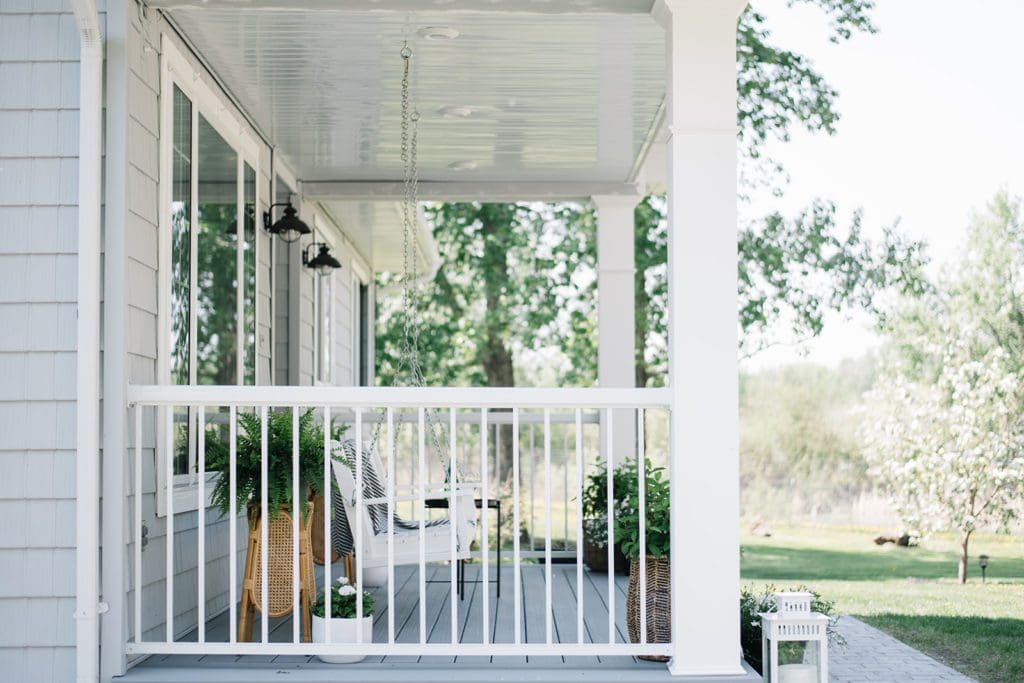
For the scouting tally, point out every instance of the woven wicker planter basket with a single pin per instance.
(659, 620)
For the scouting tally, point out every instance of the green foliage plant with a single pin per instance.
(595, 501)
(343, 602)
(755, 602)
(515, 277)
(279, 460)
(657, 522)
(626, 508)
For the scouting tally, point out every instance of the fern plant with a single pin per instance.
(279, 460)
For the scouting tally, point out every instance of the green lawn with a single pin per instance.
(911, 593)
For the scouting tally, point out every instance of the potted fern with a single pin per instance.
(248, 471)
(341, 617)
(280, 505)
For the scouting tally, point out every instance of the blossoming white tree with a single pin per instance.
(944, 425)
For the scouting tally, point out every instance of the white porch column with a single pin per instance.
(703, 368)
(616, 315)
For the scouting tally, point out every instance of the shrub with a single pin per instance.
(753, 603)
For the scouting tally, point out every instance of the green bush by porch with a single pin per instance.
(912, 593)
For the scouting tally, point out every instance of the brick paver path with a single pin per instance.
(876, 657)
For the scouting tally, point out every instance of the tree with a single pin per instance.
(945, 424)
(514, 276)
(519, 277)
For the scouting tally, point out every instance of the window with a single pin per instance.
(208, 264)
(363, 332)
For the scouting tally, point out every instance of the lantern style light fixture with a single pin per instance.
(289, 228)
(983, 563)
(323, 263)
(794, 641)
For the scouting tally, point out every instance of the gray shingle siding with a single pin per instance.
(38, 262)
(39, 50)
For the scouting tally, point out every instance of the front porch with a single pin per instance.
(209, 318)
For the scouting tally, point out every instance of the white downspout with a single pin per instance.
(87, 518)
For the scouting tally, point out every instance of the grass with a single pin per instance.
(911, 593)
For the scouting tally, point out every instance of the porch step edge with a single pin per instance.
(424, 672)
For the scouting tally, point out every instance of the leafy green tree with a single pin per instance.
(519, 277)
(945, 424)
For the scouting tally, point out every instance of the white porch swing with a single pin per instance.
(371, 513)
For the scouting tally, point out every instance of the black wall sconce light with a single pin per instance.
(323, 263)
(289, 228)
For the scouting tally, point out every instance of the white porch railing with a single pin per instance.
(564, 422)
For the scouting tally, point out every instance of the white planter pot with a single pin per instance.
(342, 631)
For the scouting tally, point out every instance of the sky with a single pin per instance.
(932, 127)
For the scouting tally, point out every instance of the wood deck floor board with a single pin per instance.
(473, 630)
(565, 594)
(407, 629)
(504, 619)
(535, 612)
(564, 609)
(599, 583)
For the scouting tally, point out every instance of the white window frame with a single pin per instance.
(323, 313)
(177, 70)
(280, 174)
(360, 278)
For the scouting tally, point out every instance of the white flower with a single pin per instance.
(346, 590)
(343, 580)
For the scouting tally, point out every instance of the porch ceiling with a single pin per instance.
(553, 97)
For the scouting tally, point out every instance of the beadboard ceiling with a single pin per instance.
(552, 97)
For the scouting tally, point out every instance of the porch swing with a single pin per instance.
(373, 514)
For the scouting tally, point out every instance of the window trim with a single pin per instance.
(360, 352)
(177, 70)
(323, 302)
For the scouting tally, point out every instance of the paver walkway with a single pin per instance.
(871, 655)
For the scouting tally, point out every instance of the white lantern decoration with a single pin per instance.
(803, 636)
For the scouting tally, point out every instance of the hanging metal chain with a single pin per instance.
(408, 362)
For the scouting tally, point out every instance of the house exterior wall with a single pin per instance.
(145, 36)
(292, 282)
(39, 52)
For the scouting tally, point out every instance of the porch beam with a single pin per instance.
(464, 191)
(703, 364)
(616, 315)
(507, 6)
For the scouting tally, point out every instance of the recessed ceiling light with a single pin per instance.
(455, 112)
(438, 33)
(463, 165)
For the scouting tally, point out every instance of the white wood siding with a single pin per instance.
(38, 266)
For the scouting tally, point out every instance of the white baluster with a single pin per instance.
(201, 527)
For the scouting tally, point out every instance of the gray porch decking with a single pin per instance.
(300, 669)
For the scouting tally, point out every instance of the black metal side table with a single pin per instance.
(492, 504)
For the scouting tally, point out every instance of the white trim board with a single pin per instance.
(176, 70)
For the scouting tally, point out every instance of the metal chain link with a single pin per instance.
(408, 362)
